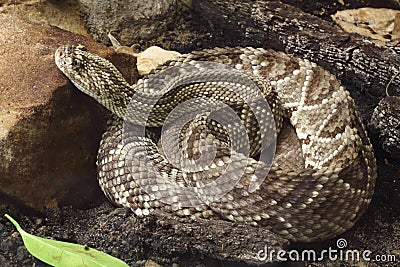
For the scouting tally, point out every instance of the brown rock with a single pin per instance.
(49, 131)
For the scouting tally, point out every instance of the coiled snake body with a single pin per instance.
(319, 183)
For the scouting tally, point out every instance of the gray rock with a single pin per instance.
(131, 21)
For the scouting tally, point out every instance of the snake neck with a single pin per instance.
(113, 95)
(96, 77)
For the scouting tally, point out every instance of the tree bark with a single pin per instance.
(361, 65)
(385, 123)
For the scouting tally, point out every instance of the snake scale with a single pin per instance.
(318, 185)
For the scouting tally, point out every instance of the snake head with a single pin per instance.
(92, 74)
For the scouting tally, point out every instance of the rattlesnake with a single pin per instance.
(319, 184)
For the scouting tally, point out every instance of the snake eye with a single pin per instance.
(76, 62)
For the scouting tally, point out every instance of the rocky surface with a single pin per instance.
(133, 21)
(67, 15)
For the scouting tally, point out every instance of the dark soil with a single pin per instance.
(140, 242)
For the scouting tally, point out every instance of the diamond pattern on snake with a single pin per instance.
(316, 184)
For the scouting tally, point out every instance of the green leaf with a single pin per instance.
(60, 254)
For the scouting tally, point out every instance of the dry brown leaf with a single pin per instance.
(341, 2)
(150, 58)
(377, 23)
(396, 28)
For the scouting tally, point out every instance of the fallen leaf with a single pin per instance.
(377, 23)
(63, 254)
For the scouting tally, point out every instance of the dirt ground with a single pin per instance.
(140, 242)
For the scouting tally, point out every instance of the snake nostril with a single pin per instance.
(60, 53)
